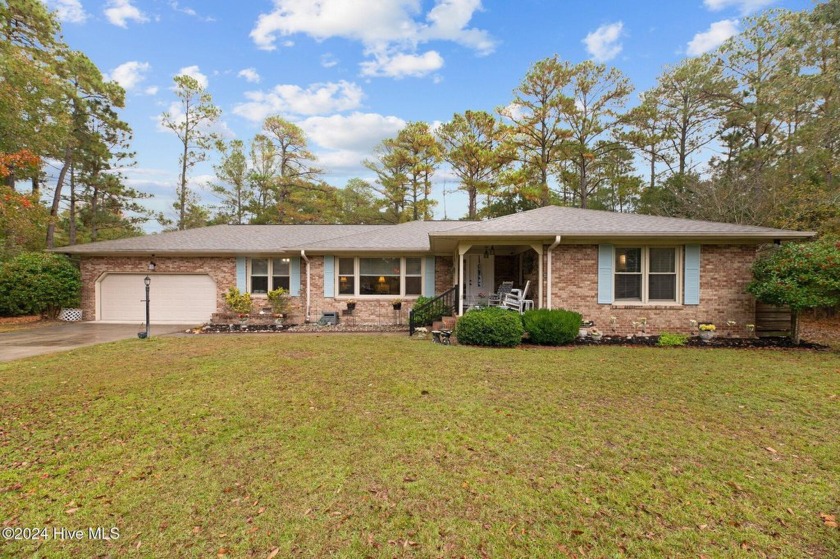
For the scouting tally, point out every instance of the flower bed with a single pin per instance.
(716, 342)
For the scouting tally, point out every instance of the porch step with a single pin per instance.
(445, 323)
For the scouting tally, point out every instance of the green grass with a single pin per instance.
(380, 446)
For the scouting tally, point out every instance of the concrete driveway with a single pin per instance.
(64, 336)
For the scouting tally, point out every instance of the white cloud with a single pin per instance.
(119, 12)
(401, 65)
(319, 98)
(389, 30)
(68, 11)
(604, 43)
(744, 6)
(328, 60)
(715, 36)
(189, 11)
(129, 74)
(356, 132)
(250, 75)
(195, 73)
(151, 90)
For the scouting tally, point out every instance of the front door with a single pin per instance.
(478, 272)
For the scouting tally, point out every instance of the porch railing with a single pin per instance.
(445, 304)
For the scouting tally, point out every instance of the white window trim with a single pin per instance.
(678, 260)
(270, 259)
(356, 276)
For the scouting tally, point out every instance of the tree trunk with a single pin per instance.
(182, 195)
(71, 232)
(94, 204)
(68, 157)
(471, 212)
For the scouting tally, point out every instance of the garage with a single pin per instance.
(175, 298)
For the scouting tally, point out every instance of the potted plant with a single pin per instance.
(585, 325)
(351, 304)
(707, 331)
(397, 304)
(596, 334)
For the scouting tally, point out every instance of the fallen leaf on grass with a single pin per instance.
(829, 520)
(771, 450)
(273, 553)
(71, 511)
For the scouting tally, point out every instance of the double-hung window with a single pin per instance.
(647, 274)
(267, 274)
(383, 276)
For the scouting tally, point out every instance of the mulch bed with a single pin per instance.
(716, 342)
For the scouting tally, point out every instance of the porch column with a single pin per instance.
(462, 250)
(538, 248)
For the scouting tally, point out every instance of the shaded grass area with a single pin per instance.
(380, 446)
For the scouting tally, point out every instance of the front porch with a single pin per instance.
(481, 268)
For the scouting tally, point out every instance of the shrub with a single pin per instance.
(38, 283)
(279, 300)
(493, 326)
(430, 314)
(240, 303)
(551, 327)
(670, 339)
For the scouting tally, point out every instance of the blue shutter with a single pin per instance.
(692, 275)
(605, 274)
(294, 276)
(329, 276)
(429, 280)
(241, 283)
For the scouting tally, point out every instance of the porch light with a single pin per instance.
(492, 250)
(152, 266)
(486, 252)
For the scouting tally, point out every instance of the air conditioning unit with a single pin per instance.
(328, 317)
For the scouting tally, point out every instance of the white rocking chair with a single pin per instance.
(496, 298)
(516, 301)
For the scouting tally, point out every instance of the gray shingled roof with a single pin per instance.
(576, 222)
(415, 236)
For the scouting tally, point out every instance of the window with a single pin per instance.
(646, 274)
(267, 274)
(389, 276)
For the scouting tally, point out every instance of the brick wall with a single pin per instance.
(724, 275)
(222, 270)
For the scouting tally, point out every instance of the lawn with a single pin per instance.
(380, 446)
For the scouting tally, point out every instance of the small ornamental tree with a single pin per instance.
(799, 275)
(38, 283)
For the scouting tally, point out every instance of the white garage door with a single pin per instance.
(184, 299)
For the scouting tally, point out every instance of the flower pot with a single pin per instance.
(351, 306)
(597, 337)
(397, 306)
(706, 335)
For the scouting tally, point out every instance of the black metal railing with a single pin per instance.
(445, 304)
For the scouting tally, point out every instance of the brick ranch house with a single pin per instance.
(602, 264)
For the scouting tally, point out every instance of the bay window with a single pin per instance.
(383, 276)
(646, 274)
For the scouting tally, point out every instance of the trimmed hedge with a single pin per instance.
(38, 283)
(492, 326)
(551, 327)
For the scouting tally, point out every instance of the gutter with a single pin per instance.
(308, 284)
(550, 272)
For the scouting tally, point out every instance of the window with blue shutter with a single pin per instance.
(429, 272)
(294, 276)
(692, 275)
(605, 274)
(241, 283)
(329, 276)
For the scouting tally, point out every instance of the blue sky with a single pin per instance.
(352, 72)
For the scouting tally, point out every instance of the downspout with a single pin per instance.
(308, 284)
(550, 271)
